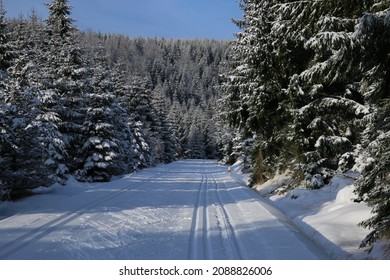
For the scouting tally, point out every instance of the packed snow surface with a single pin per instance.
(185, 210)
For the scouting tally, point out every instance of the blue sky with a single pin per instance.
(146, 18)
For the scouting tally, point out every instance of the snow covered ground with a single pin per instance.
(329, 216)
(185, 210)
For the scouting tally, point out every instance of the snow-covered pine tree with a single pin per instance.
(6, 138)
(224, 137)
(373, 186)
(64, 74)
(135, 96)
(323, 94)
(39, 150)
(140, 145)
(225, 144)
(4, 54)
(195, 148)
(327, 96)
(373, 36)
(47, 121)
(295, 83)
(210, 139)
(254, 87)
(59, 21)
(166, 142)
(177, 117)
(105, 146)
(143, 114)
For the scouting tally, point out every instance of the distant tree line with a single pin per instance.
(309, 88)
(96, 105)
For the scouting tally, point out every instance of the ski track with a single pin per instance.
(187, 210)
(211, 226)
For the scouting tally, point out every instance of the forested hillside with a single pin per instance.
(183, 77)
(97, 105)
(310, 86)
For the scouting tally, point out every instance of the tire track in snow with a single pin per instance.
(45, 229)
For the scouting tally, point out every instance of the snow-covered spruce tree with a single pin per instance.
(177, 117)
(6, 140)
(195, 148)
(253, 92)
(373, 35)
(202, 136)
(373, 187)
(47, 122)
(210, 139)
(6, 137)
(165, 140)
(140, 145)
(9, 118)
(134, 95)
(64, 73)
(135, 149)
(137, 98)
(106, 137)
(323, 96)
(224, 137)
(295, 84)
(4, 48)
(59, 21)
(38, 147)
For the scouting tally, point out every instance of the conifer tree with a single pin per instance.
(373, 35)
(163, 135)
(137, 99)
(176, 118)
(295, 84)
(324, 95)
(65, 74)
(100, 156)
(4, 55)
(6, 138)
(254, 88)
(35, 140)
(59, 21)
(373, 186)
(195, 148)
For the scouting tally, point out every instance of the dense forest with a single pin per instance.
(304, 88)
(97, 105)
(309, 86)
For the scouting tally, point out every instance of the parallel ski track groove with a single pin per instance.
(229, 229)
(43, 230)
(194, 251)
(200, 246)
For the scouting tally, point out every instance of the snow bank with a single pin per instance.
(329, 216)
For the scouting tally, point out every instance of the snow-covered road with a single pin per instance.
(185, 210)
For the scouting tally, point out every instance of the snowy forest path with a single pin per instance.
(190, 209)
